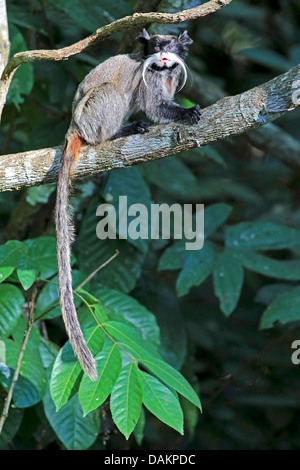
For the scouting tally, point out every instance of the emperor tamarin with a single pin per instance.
(120, 85)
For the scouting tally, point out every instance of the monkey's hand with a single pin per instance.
(192, 114)
(140, 127)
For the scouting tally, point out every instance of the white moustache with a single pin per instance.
(171, 58)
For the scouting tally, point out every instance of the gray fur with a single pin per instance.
(116, 88)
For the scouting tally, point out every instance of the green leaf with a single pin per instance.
(214, 216)
(26, 277)
(123, 307)
(93, 394)
(10, 254)
(288, 270)
(172, 378)
(11, 308)
(75, 431)
(32, 383)
(22, 82)
(197, 267)
(131, 338)
(285, 308)
(173, 257)
(261, 236)
(162, 402)
(145, 354)
(66, 368)
(126, 399)
(41, 256)
(228, 276)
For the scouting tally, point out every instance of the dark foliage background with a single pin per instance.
(229, 313)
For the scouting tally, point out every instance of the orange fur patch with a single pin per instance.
(74, 145)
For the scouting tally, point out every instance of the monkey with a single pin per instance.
(122, 84)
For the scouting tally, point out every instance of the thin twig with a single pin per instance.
(19, 361)
(96, 270)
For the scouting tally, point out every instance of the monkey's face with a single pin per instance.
(165, 48)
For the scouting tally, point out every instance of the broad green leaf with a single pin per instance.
(19, 330)
(126, 399)
(66, 368)
(93, 394)
(32, 382)
(26, 277)
(228, 276)
(261, 236)
(285, 308)
(123, 307)
(41, 256)
(197, 267)
(288, 270)
(173, 257)
(75, 431)
(145, 354)
(11, 308)
(131, 338)
(162, 402)
(171, 377)
(214, 216)
(10, 254)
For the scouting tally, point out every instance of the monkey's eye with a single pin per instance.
(157, 48)
(169, 48)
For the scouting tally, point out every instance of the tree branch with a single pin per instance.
(137, 19)
(269, 138)
(228, 117)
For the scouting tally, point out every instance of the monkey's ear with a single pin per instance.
(185, 39)
(144, 37)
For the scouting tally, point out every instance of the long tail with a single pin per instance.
(64, 232)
